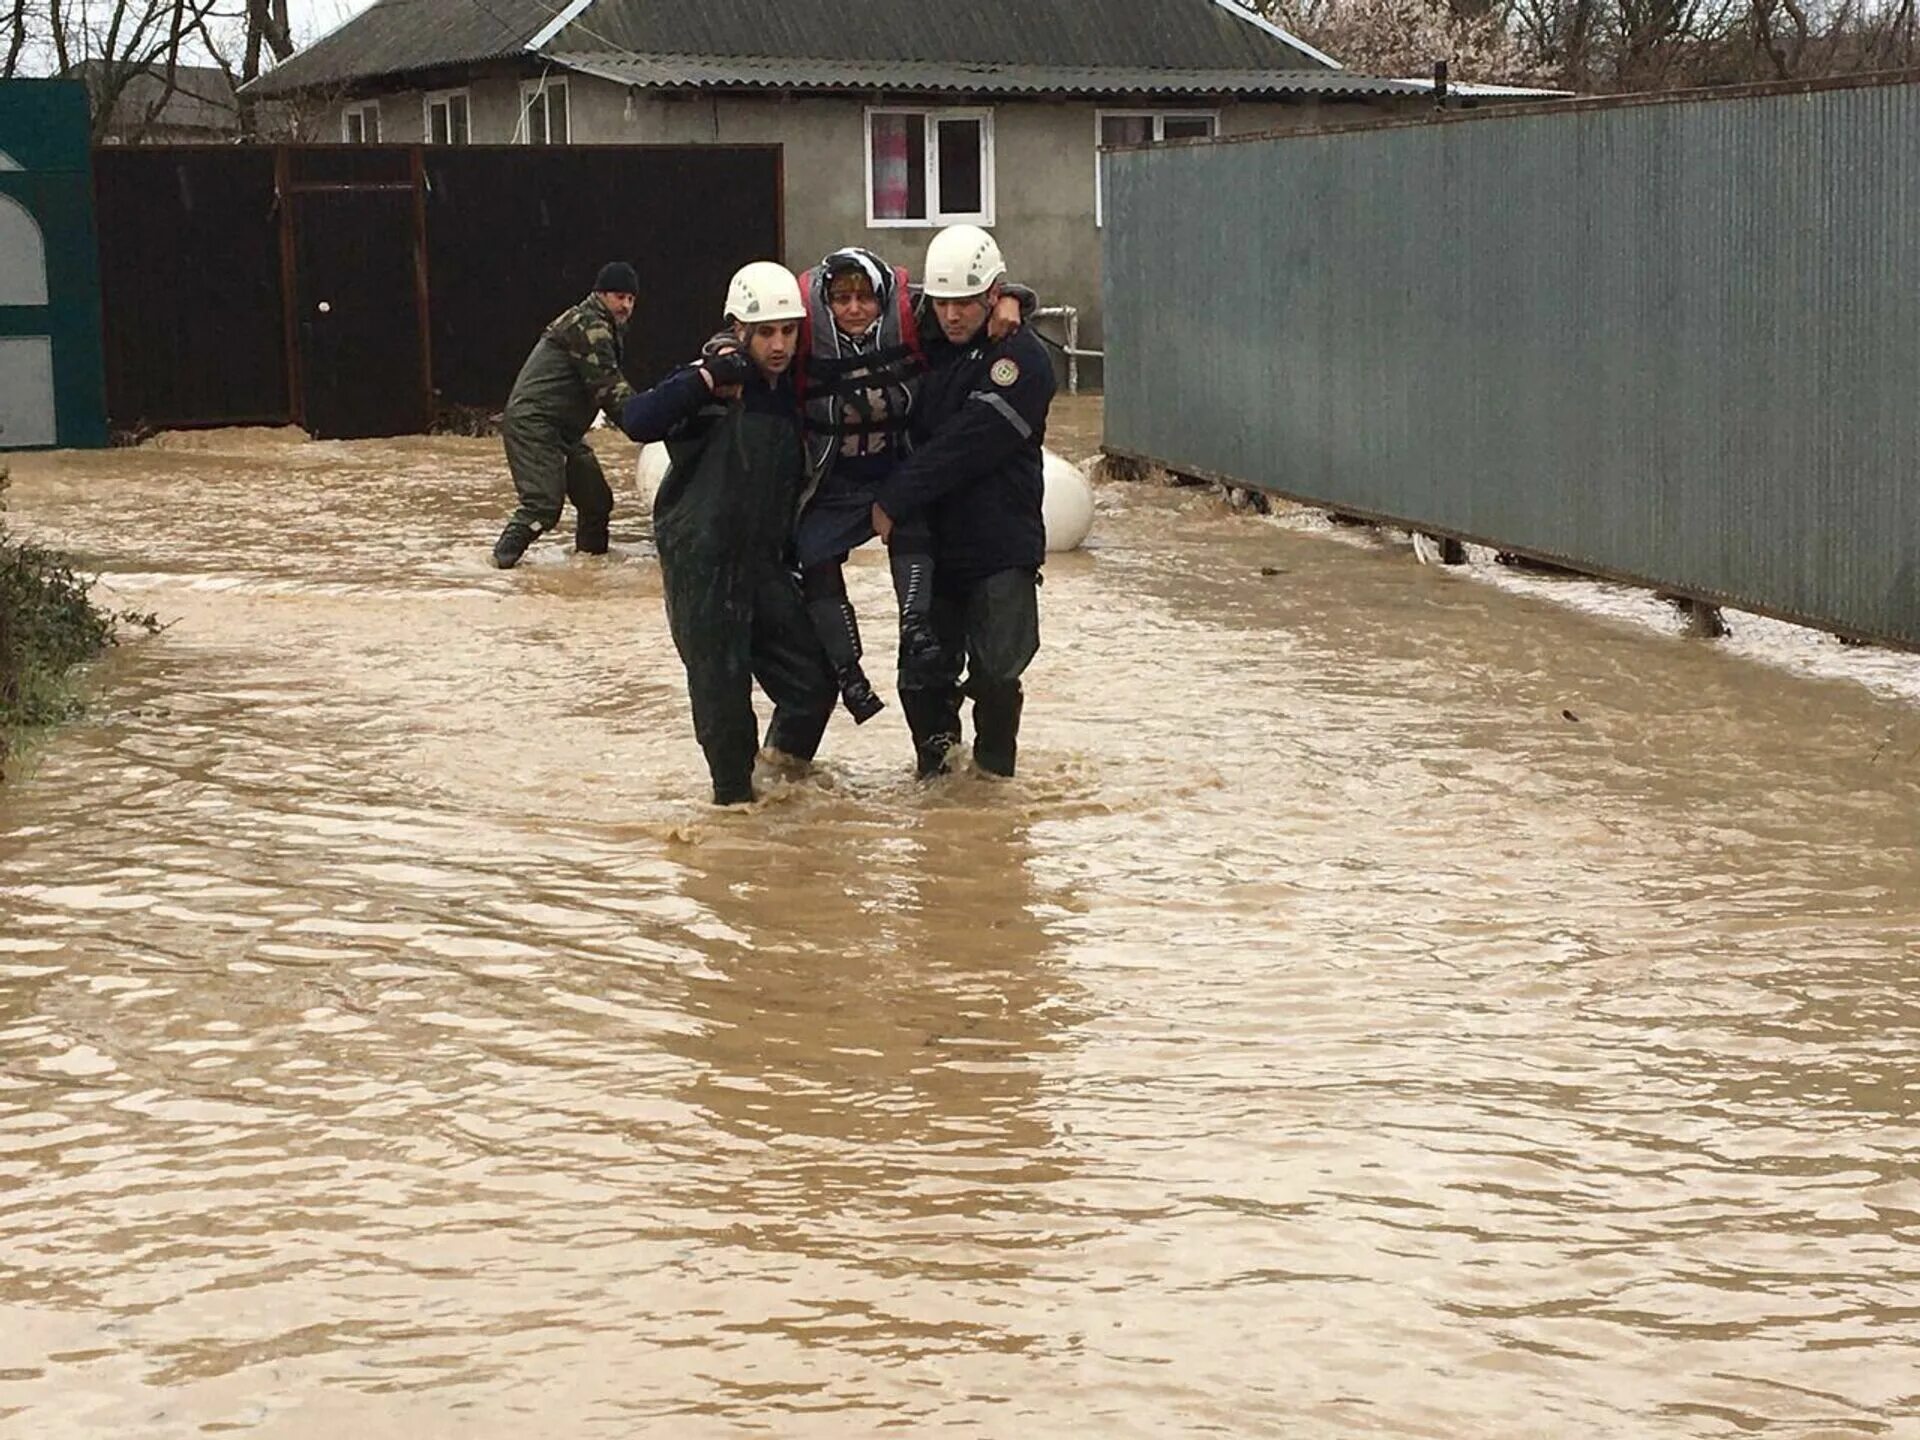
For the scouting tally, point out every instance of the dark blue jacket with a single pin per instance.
(978, 427)
(681, 407)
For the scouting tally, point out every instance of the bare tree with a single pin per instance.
(136, 55)
(1612, 45)
(1405, 37)
(267, 25)
(16, 39)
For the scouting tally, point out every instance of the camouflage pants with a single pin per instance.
(548, 470)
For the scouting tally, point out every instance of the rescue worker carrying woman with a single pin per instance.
(975, 479)
(723, 522)
(861, 360)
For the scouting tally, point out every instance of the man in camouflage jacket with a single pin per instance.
(573, 372)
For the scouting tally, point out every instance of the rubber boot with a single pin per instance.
(921, 655)
(590, 536)
(839, 632)
(733, 792)
(996, 726)
(512, 544)
(934, 718)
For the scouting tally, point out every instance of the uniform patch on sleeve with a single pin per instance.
(1004, 372)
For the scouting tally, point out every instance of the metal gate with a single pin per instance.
(359, 290)
(358, 301)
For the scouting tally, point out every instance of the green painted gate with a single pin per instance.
(51, 390)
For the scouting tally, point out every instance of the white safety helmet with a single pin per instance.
(764, 292)
(962, 261)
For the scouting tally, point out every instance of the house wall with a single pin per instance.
(493, 109)
(1043, 154)
(1044, 163)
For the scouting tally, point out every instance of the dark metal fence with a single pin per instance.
(190, 280)
(360, 290)
(1673, 342)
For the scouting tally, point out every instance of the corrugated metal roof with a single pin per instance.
(394, 37)
(1084, 46)
(702, 71)
(1131, 34)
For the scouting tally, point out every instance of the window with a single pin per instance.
(929, 167)
(1142, 127)
(360, 124)
(447, 118)
(543, 113)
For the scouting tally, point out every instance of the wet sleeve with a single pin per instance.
(997, 420)
(671, 410)
(595, 354)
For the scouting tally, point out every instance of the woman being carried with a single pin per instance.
(863, 351)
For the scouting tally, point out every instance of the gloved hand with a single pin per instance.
(732, 368)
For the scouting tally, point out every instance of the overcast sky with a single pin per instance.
(312, 18)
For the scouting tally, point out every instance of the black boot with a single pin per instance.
(590, 536)
(996, 726)
(512, 544)
(839, 632)
(934, 718)
(733, 791)
(921, 656)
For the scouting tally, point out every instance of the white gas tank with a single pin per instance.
(1067, 506)
(649, 470)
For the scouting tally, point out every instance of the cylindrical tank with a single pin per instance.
(1067, 506)
(649, 470)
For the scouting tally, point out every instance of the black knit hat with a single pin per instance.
(618, 277)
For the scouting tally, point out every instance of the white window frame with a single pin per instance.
(365, 109)
(931, 162)
(1159, 118)
(539, 90)
(442, 97)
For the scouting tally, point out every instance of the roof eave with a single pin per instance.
(646, 74)
(353, 84)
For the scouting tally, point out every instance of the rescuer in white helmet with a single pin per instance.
(722, 522)
(974, 476)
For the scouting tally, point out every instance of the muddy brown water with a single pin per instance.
(1324, 1036)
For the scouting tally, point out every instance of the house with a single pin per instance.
(895, 118)
(194, 105)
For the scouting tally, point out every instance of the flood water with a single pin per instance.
(1387, 1003)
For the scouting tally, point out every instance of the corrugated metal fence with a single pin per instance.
(1673, 342)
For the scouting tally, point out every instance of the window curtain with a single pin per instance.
(891, 163)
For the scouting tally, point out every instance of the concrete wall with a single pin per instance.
(1044, 167)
